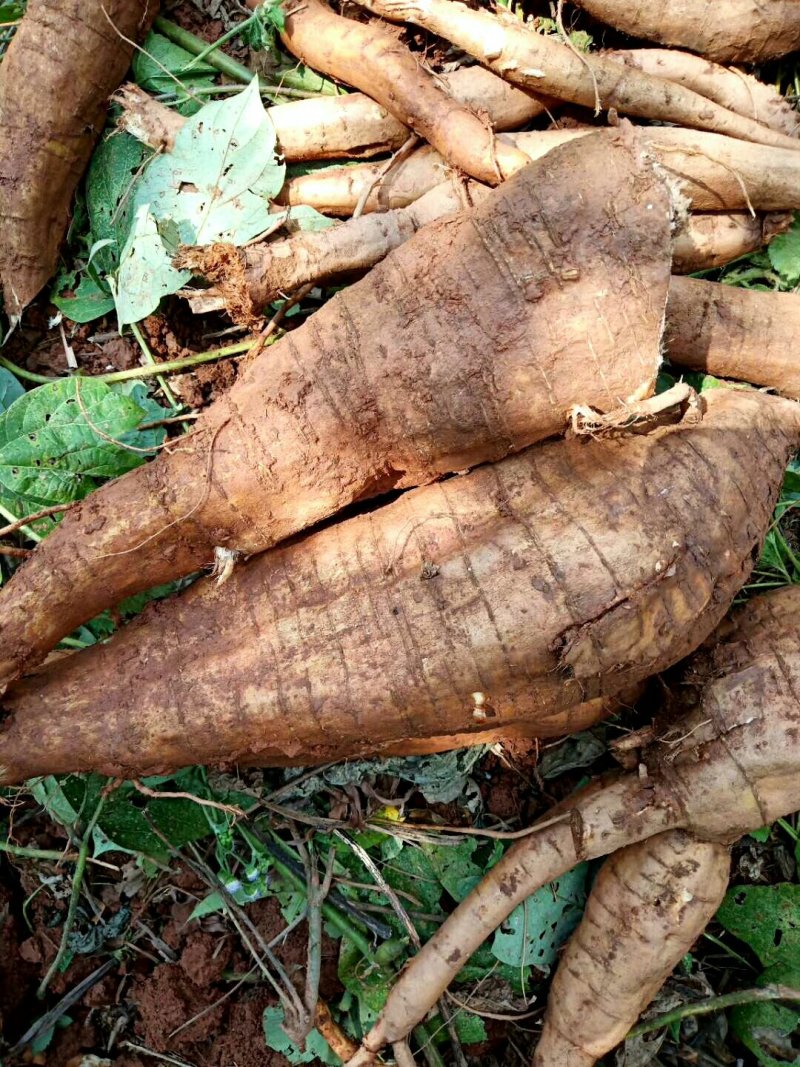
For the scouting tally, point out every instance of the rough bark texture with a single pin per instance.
(649, 904)
(62, 65)
(470, 342)
(740, 31)
(372, 59)
(735, 333)
(565, 574)
(733, 89)
(541, 64)
(271, 268)
(712, 240)
(352, 126)
(728, 766)
(715, 173)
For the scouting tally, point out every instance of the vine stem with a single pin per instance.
(704, 1007)
(77, 882)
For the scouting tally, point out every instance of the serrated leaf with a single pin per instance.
(535, 930)
(784, 253)
(765, 917)
(53, 449)
(10, 389)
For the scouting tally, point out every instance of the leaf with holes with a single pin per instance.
(56, 444)
(534, 931)
(215, 185)
(765, 917)
(771, 1030)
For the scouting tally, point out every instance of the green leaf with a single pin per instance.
(784, 253)
(454, 867)
(317, 1049)
(123, 821)
(767, 1027)
(535, 930)
(214, 186)
(767, 918)
(10, 389)
(53, 449)
(158, 53)
(470, 1028)
(110, 182)
(762, 834)
(368, 983)
(89, 301)
(146, 273)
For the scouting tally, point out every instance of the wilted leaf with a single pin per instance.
(534, 931)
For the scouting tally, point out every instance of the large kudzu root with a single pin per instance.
(504, 597)
(541, 64)
(735, 333)
(332, 127)
(494, 324)
(725, 767)
(66, 59)
(733, 89)
(738, 31)
(371, 58)
(649, 904)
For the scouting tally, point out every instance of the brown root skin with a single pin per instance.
(625, 550)
(372, 59)
(271, 268)
(712, 240)
(714, 173)
(65, 60)
(726, 767)
(734, 333)
(746, 31)
(733, 89)
(649, 904)
(541, 64)
(338, 411)
(333, 127)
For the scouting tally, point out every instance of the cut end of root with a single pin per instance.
(224, 265)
